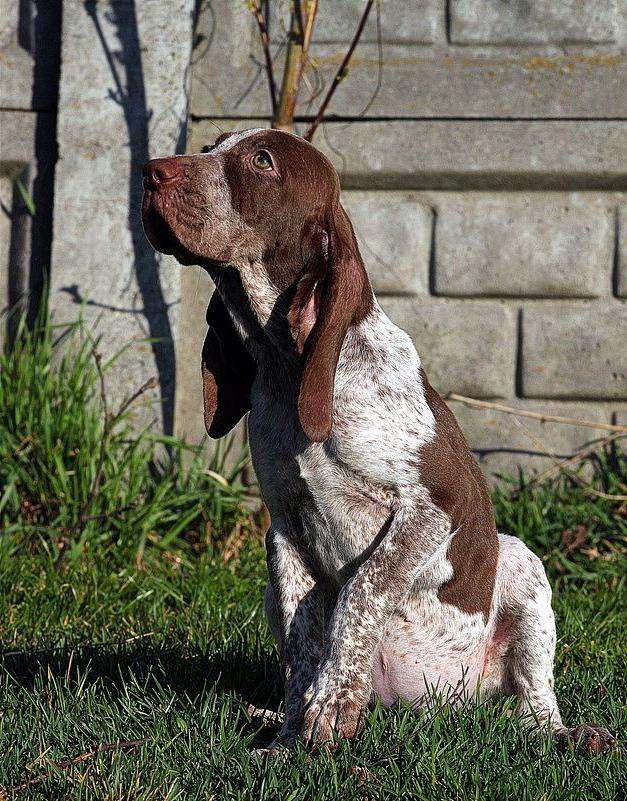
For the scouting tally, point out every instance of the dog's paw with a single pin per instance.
(339, 713)
(586, 739)
(279, 748)
(274, 750)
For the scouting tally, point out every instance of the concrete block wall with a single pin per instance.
(123, 99)
(29, 47)
(486, 182)
(482, 148)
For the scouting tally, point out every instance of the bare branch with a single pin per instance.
(340, 74)
(544, 418)
(566, 465)
(150, 384)
(109, 423)
(93, 490)
(606, 496)
(265, 43)
(310, 18)
(559, 465)
(571, 461)
(294, 60)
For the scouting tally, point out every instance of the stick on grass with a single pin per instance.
(544, 418)
(64, 764)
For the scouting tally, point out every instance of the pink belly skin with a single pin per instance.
(436, 645)
(414, 660)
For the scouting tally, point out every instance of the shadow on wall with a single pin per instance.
(129, 93)
(28, 212)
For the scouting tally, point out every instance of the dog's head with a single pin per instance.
(267, 204)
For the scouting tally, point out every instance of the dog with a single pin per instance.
(387, 577)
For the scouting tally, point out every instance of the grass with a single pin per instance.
(74, 473)
(144, 622)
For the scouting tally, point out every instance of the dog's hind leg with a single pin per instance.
(520, 655)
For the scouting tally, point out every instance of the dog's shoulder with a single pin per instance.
(457, 485)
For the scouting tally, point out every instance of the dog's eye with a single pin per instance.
(262, 161)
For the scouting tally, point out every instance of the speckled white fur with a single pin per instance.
(357, 548)
(330, 501)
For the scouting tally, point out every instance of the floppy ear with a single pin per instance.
(228, 372)
(330, 297)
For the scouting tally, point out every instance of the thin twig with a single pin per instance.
(573, 460)
(565, 465)
(109, 423)
(310, 18)
(93, 490)
(545, 418)
(266, 715)
(559, 465)
(64, 764)
(340, 74)
(606, 496)
(150, 384)
(265, 43)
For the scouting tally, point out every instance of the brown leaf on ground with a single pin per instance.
(575, 538)
(243, 531)
(361, 773)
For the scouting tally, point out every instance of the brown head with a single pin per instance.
(265, 203)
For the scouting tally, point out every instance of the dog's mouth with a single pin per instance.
(160, 233)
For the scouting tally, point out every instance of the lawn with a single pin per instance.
(133, 638)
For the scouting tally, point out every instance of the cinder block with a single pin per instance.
(478, 155)
(415, 84)
(6, 199)
(16, 145)
(535, 22)
(394, 234)
(21, 234)
(502, 443)
(400, 22)
(26, 29)
(573, 351)
(16, 64)
(466, 347)
(196, 289)
(9, 22)
(619, 414)
(621, 277)
(404, 81)
(100, 255)
(16, 87)
(524, 244)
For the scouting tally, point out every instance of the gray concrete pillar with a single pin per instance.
(123, 99)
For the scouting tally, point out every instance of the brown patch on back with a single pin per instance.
(458, 487)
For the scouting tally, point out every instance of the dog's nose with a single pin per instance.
(159, 173)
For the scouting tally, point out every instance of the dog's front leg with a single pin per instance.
(296, 614)
(337, 698)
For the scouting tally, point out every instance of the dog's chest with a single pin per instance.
(331, 512)
(335, 497)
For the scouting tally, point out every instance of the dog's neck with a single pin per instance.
(259, 313)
